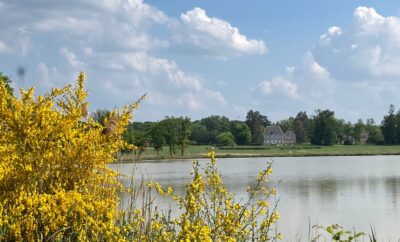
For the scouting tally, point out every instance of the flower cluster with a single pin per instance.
(209, 211)
(54, 179)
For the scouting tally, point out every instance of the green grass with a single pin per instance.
(200, 151)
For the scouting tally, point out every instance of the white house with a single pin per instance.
(273, 135)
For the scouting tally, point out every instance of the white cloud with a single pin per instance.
(354, 71)
(370, 48)
(368, 19)
(277, 85)
(42, 72)
(158, 67)
(171, 91)
(206, 100)
(332, 32)
(70, 57)
(4, 48)
(116, 42)
(74, 24)
(314, 68)
(118, 25)
(123, 25)
(215, 37)
(48, 76)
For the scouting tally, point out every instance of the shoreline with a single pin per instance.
(239, 155)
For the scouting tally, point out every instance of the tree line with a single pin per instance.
(321, 128)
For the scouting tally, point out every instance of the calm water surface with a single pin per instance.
(353, 191)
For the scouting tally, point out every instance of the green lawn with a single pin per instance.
(200, 151)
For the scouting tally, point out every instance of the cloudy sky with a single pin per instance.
(196, 58)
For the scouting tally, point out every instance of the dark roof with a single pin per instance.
(273, 130)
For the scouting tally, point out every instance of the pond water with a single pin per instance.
(356, 192)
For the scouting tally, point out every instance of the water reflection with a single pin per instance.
(352, 191)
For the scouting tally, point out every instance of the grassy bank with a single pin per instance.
(268, 151)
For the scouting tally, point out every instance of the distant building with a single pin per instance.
(290, 137)
(273, 135)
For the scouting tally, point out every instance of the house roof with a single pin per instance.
(273, 130)
(290, 133)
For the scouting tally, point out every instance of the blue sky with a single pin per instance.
(197, 58)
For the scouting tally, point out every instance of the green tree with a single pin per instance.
(225, 139)
(342, 132)
(215, 122)
(375, 135)
(257, 124)
(199, 134)
(358, 129)
(286, 124)
(170, 128)
(241, 132)
(389, 126)
(347, 133)
(157, 138)
(215, 125)
(138, 134)
(7, 82)
(300, 124)
(324, 132)
(184, 133)
(370, 124)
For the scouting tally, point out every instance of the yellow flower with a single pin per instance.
(53, 166)
(276, 215)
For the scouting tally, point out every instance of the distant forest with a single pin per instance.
(321, 128)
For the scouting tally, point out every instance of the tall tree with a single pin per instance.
(170, 127)
(184, 133)
(343, 134)
(389, 126)
(300, 125)
(375, 135)
(157, 138)
(358, 130)
(7, 82)
(370, 125)
(324, 132)
(286, 124)
(347, 133)
(257, 123)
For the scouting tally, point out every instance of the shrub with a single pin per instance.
(225, 139)
(209, 212)
(54, 181)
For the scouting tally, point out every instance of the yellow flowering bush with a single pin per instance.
(208, 212)
(54, 181)
(55, 184)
